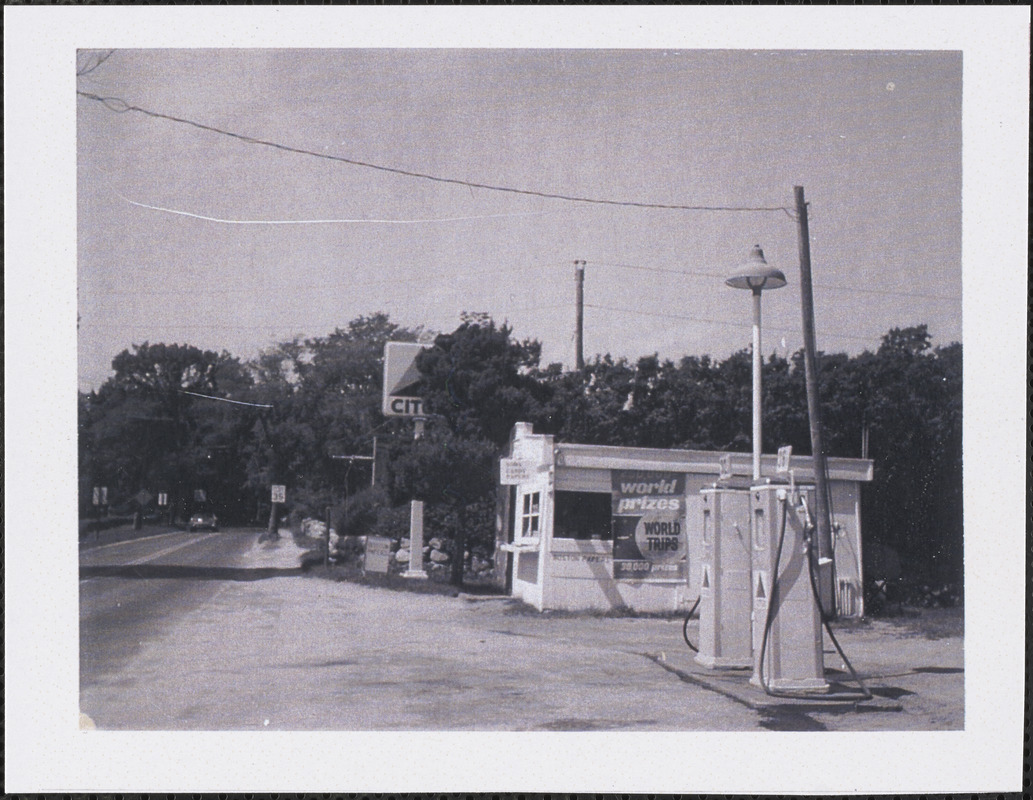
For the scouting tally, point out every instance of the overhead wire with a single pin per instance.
(226, 399)
(825, 286)
(728, 323)
(339, 221)
(120, 106)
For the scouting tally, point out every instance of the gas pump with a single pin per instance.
(759, 597)
(725, 587)
(787, 624)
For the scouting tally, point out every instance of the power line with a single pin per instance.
(121, 106)
(827, 286)
(225, 399)
(715, 321)
(358, 220)
(658, 269)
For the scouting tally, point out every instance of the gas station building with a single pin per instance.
(594, 527)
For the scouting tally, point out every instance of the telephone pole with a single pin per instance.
(579, 283)
(823, 541)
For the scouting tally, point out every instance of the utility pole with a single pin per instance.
(347, 491)
(579, 283)
(823, 542)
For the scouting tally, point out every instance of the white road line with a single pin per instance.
(168, 550)
(133, 541)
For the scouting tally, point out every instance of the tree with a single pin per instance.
(481, 381)
(477, 383)
(325, 393)
(913, 396)
(146, 427)
(445, 469)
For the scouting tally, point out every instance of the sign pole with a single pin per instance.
(416, 569)
(271, 530)
(402, 381)
(278, 495)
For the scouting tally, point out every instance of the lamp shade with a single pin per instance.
(755, 274)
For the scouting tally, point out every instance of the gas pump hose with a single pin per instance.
(828, 629)
(769, 621)
(685, 626)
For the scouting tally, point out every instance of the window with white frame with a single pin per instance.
(530, 515)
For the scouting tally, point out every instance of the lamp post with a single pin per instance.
(756, 275)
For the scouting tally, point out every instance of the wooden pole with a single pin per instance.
(823, 540)
(579, 282)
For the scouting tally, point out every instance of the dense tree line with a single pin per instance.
(153, 426)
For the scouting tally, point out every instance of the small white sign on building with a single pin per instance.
(784, 454)
(513, 471)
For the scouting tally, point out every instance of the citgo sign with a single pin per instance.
(401, 380)
(649, 539)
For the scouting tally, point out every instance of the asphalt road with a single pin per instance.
(135, 591)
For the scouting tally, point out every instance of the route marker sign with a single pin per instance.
(402, 380)
(279, 493)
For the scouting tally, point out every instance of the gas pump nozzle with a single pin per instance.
(808, 520)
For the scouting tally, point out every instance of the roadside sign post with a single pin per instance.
(347, 493)
(278, 495)
(100, 500)
(163, 505)
(401, 382)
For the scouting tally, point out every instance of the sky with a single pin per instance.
(191, 236)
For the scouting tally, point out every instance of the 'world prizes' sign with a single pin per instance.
(649, 538)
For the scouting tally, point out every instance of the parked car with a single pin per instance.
(204, 520)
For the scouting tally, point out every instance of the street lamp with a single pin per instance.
(756, 275)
